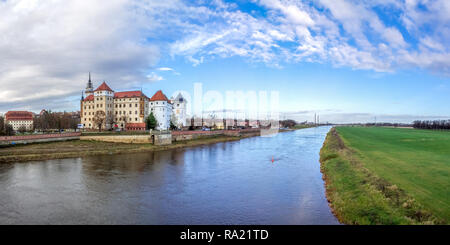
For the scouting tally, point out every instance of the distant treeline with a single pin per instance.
(49, 120)
(436, 124)
(384, 124)
(5, 129)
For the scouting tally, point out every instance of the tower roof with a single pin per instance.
(180, 98)
(89, 98)
(89, 86)
(104, 87)
(159, 96)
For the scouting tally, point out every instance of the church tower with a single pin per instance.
(89, 88)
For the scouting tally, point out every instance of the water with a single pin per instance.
(225, 183)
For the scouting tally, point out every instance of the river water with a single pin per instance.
(224, 183)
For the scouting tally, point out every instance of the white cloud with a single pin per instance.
(48, 47)
(165, 69)
(153, 77)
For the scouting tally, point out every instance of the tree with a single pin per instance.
(110, 120)
(99, 119)
(2, 125)
(151, 121)
(9, 131)
(173, 122)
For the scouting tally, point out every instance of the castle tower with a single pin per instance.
(89, 87)
(179, 110)
(104, 101)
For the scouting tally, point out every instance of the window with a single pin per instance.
(130, 105)
(135, 105)
(135, 112)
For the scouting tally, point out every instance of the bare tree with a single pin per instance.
(2, 125)
(9, 131)
(99, 119)
(111, 120)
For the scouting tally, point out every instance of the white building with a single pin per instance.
(19, 119)
(179, 110)
(162, 110)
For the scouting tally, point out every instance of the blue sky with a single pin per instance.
(349, 61)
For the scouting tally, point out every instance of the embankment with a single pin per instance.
(358, 196)
(95, 144)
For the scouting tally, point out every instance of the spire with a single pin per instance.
(82, 95)
(89, 85)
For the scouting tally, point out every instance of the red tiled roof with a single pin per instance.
(89, 98)
(129, 94)
(158, 96)
(103, 87)
(18, 115)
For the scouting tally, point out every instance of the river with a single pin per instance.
(224, 183)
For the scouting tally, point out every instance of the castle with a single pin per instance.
(128, 110)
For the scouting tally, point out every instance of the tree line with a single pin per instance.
(435, 124)
(5, 129)
(48, 121)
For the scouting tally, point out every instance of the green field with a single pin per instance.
(381, 175)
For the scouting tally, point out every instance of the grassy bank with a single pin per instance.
(302, 126)
(80, 148)
(387, 175)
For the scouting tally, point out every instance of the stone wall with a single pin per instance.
(189, 135)
(162, 139)
(37, 138)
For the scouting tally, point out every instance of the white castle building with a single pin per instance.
(161, 108)
(179, 111)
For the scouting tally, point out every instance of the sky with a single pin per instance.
(346, 60)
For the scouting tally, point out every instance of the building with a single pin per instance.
(162, 110)
(113, 109)
(19, 119)
(179, 111)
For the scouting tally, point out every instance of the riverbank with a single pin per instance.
(81, 148)
(370, 177)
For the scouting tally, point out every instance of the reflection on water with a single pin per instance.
(224, 183)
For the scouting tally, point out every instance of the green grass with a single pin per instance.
(302, 126)
(388, 175)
